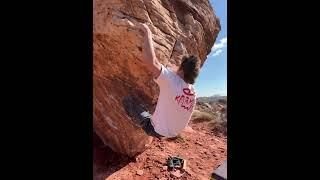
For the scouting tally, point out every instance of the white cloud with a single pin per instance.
(218, 46)
(216, 53)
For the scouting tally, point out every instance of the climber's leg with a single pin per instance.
(134, 110)
(139, 116)
(148, 127)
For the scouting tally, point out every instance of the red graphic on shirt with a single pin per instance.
(186, 100)
(187, 91)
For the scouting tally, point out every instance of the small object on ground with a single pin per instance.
(165, 168)
(175, 162)
(221, 172)
(140, 172)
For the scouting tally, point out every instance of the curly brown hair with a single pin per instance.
(190, 66)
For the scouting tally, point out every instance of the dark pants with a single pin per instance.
(149, 129)
(140, 117)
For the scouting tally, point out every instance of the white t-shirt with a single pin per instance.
(175, 104)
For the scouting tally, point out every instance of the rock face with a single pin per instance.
(179, 27)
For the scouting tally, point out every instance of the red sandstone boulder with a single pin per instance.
(178, 27)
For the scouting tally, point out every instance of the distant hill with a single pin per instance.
(214, 98)
(213, 109)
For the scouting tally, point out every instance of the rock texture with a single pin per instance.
(178, 26)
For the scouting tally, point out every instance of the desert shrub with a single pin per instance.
(200, 116)
(217, 122)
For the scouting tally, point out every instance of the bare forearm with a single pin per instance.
(149, 55)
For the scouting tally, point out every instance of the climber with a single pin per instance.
(177, 96)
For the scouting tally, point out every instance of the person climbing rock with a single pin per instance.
(177, 96)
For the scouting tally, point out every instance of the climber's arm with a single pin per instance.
(148, 54)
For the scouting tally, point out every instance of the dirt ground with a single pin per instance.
(203, 150)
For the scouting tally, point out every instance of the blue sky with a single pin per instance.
(212, 79)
